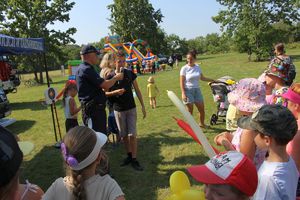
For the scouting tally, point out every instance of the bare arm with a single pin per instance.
(181, 81)
(120, 198)
(296, 149)
(115, 92)
(109, 83)
(203, 78)
(247, 145)
(73, 107)
(140, 97)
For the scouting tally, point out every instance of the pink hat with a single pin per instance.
(292, 96)
(231, 168)
(249, 95)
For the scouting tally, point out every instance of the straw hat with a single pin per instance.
(151, 79)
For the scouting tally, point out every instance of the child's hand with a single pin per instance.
(120, 91)
(119, 76)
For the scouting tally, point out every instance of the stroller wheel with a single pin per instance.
(213, 119)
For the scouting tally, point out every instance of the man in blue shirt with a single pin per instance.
(90, 89)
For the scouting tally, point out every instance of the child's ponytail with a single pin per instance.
(78, 190)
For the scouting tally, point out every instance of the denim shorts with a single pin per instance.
(193, 95)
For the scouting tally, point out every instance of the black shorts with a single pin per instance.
(70, 123)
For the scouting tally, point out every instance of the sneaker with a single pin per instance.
(136, 165)
(126, 161)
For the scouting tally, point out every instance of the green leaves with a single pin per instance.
(33, 18)
(133, 19)
(251, 22)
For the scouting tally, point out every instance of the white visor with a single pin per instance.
(101, 140)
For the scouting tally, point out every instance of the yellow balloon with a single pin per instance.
(192, 195)
(179, 182)
(173, 197)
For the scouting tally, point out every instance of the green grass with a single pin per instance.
(163, 146)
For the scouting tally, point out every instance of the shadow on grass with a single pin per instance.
(33, 105)
(144, 185)
(44, 168)
(21, 125)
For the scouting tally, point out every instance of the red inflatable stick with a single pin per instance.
(186, 127)
(62, 91)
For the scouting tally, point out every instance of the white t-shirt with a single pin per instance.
(97, 188)
(67, 109)
(277, 181)
(192, 75)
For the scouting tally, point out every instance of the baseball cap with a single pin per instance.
(271, 120)
(230, 168)
(10, 156)
(86, 49)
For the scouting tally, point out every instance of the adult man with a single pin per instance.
(125, 110)
(90, 89)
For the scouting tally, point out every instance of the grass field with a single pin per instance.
(163, 147)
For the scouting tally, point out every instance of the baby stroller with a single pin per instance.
(220, 89)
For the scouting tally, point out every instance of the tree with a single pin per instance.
(31, 19)
(134, 19)
(176, 45)
(250, 21)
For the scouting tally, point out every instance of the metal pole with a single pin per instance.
(57, 145)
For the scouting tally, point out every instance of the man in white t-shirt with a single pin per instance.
(278, 175)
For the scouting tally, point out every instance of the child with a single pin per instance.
(279, 75)
(70, 107)
(248, 97)
(227, 176)
(275, 126)
(82, 152)
(11, 158)
(293, 104)
(152, 91)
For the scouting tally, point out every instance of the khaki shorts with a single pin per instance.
(126, 122)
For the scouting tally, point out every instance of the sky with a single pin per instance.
(185, 18)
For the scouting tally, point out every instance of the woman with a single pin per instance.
(189, 84)
(107, 65)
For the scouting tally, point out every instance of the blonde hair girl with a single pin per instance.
(107, 65)
(82, 153)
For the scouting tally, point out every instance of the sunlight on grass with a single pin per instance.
(163, 146)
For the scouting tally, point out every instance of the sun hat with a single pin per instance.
(151, 79)
(10, 156)
(230, 168)
(292, 96)
(272, 120)
(249, 95)
(72, 161)
(86, 49)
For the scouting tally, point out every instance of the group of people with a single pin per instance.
(262, 134)
(262, 158)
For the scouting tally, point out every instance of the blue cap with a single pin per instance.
(86, 49)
